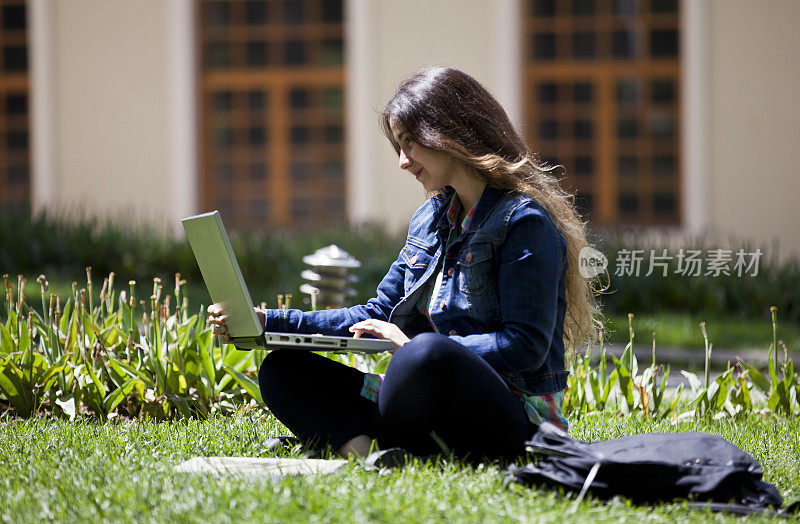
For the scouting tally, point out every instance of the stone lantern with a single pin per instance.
(328, 280)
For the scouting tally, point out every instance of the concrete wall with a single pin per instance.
(110, 107)
(389, 40)
(754, 184)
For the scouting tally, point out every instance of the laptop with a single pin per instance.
(223, 278)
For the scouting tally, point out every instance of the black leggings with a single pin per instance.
(432, 384)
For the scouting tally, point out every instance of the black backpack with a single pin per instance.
(652, 467)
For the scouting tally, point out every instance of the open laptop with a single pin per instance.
(214, 254)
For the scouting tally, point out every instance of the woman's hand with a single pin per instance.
(380, 329)
(218, 319)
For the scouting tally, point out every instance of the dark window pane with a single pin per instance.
(583, 92)
(293, 11)
(223, 173)
(298, 98)
(583, 129)
(15, 58)
(14, 18)
(257, 136)
(544, 46)
(334, 206)
(544, 7)
(627, 166)
(299, 135)
(625, 7)
(226, 209)
(664, 6)
(627, 91)
(257, 54)
(584, 165)
(663, 126)
(222, 101)
(582, 7)
(332, 52)
(548, 129)
(217, 14)
(301, 207)
(623, 44)
(627, 128)
(628, 203)
(663, 164)
(333, 134)
(218, 55)
(300, 171)
(664, 42)
(295, 53)
(258, 209)
(256, 12)
(334, 170)
(18, 175)
(663, 90)
(332, 98)
(16, 104)
(332, 11)
(583, 45)
(547, 93)
(664, 203)
(223, 136)
(258, 171)
(17, 140)
(256, 100)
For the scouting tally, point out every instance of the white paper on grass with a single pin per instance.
(271, 467)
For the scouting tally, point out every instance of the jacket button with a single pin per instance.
(450, 272)
(444, 306)
(468, 258)
(413, 259)
(453, 332)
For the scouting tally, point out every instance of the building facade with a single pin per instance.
(679, 115)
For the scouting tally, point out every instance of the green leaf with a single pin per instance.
(6, 342)
(120, 366)
(694, 382)
(758, 379)
(250, 385)
(594, 384)
(625, 382)
(114, 398)
(179, 401)
(612, 380)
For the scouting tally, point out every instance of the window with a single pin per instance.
(14, 106)
(273, 133)
(602, 100)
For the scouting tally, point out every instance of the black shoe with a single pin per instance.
(275, 444)
(388, 458)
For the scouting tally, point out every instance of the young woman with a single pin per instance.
(479, 303)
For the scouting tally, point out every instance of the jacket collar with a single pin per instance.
(486, 203)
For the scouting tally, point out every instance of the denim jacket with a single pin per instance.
(502, 293)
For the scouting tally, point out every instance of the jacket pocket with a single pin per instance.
(476, 273)
(417, 262)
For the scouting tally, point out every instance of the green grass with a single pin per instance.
(682, 330)
(123, 471)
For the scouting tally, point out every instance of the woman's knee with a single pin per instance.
(426, 351)
(276, 361)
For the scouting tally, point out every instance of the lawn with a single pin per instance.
(123, 471)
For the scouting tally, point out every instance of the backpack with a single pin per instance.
(652, 467)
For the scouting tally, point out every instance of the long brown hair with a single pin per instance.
(447, 110)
